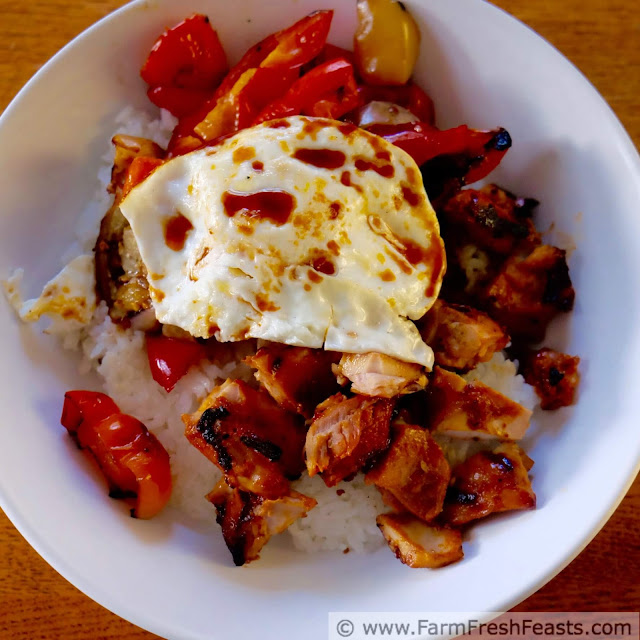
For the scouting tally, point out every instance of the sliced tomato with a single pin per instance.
(410, 96)
(188, 56)
(133, 461)
(139, 169)
(171, 358)
(328, 90)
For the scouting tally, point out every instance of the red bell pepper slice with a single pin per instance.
(139, 169)
(263, 74)
(328, 90)
(410, 96)
(180, 102)
(331, 52)
(483, 149)
(171, 358)
(92, 406)
(188, 56)
(133, 461)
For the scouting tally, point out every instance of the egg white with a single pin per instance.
(357, 257)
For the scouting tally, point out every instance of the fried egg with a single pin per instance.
(304, 231)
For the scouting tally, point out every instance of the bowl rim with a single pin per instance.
(148, 622)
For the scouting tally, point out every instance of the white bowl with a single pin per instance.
(483, 68)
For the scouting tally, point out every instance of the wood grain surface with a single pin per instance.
(601, 38)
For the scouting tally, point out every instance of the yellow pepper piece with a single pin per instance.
(221, 119)
(386, 43)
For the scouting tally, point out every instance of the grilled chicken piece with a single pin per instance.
(249, 520)
(529, 292)
(491, 219)
(418, 544)
(472, 409)
(414, 472)
(297, 378)
(121, 278)
(489, 482)
(376, 374)
(247, 435)
(461, 337)
(346, 435)
(554, 376)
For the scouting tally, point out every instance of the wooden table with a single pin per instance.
(601, 38)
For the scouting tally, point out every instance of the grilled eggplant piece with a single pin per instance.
(346, 434)
(121, 279)
(248, 520)
(418, 544)
(489, 482)
(376, 374)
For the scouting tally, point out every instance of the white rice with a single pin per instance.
(345, 516)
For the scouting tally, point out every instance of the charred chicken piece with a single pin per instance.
(418, 544)
(376, 374)
(413, 471)
(554, 376)
(461, 337)
(490, 219)
(346, 435)
(121, 278)
(472, 409)
(528, 292)
(489, 482)
(297, 378)
(249, 520)
(249, 437)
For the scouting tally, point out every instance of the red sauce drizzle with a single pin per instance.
(323, 265)
(335, 210)
(257, 165)
(437, 268)
(273, 205)
(411, 196)
(346, 128)
(385, 170)
(323, 158)
(345, 178)
(279, 124)
(333, 246)
(384, 155)
(176, 230)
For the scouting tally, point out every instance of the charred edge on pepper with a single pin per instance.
(500, 142)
